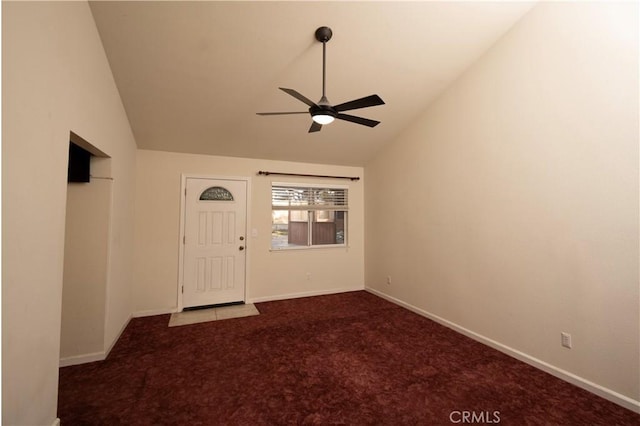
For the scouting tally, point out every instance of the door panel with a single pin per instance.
(214, 229)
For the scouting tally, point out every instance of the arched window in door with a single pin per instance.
(216, 193)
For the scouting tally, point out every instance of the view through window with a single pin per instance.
(307, 216)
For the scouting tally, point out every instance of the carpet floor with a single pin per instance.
(349, 359)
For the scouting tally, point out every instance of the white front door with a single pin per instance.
(214, 243)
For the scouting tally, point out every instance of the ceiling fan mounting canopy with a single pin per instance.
(323, 112)
(323, 34)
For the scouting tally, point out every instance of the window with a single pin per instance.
(216, 193)
(308, 216)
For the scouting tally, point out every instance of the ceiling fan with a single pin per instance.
(323, 112)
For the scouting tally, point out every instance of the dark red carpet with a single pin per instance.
(350, 359)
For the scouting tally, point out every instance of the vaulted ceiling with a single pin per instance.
(192, 75)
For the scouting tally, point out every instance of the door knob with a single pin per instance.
(241, 248)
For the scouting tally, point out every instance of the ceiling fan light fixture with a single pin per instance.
(322, 112)
(323, 118)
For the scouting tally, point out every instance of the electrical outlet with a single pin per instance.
(388, 279)
(565, 340)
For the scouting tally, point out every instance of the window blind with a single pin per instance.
(308, 198)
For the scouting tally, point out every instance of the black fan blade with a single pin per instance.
(282, 113)
(365, 102)
(358, 120)
(315, 127)
(298, 96)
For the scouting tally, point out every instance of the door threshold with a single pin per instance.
(217, 305)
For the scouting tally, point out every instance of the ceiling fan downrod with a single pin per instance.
(323, 35)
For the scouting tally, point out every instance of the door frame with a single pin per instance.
(183, 211)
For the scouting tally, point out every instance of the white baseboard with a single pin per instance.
(164, 311)
(113, 343)
(56, 422)
(152, 312)
(94, 356)
(583, 383)
(303, 294)
(82, 359)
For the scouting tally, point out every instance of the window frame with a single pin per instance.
(311, 215)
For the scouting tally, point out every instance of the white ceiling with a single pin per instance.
(192, 75)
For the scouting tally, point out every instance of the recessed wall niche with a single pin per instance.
(86, 254)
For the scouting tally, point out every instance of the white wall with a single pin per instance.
(510, 207)
(84, 278)
(55, 79)
(270, 274)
